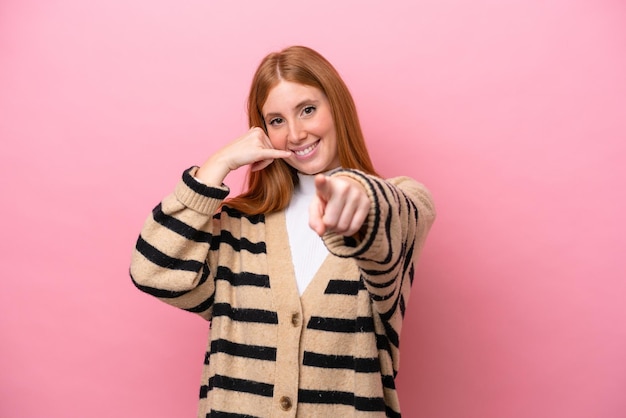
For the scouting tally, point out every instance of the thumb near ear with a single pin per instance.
(322, 187)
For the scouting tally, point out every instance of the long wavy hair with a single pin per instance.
(270, 189)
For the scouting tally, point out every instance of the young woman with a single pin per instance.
(305, 276)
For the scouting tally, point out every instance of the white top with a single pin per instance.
(307, 248)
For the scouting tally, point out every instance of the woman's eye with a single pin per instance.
(308, 110)
(276, 121)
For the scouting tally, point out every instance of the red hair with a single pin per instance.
(270, 189)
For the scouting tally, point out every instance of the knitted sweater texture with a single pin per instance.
(331, 352)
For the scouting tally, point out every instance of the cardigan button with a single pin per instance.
(285, 403)
(295, 319)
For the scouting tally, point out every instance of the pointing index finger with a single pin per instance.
(322, 187)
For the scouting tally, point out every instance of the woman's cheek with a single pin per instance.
(278, 141)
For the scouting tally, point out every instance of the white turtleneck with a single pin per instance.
(307, 248)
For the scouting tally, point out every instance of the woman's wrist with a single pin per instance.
(212, 172)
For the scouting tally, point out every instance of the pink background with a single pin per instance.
(512, 112)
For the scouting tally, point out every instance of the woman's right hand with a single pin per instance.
(252, 148)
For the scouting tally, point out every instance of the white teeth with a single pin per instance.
(306, 150)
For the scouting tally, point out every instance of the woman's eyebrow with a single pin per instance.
(296, 107)
(306, 101)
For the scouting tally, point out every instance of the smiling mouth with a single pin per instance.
(307, 150)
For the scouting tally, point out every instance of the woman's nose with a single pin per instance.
(296, 132)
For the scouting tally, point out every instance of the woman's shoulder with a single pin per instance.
(417, 192)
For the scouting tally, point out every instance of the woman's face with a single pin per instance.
(298, 119)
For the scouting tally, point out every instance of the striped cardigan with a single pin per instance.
(332, 352)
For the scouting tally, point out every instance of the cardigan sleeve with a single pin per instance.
(401, 214)
(172, 257)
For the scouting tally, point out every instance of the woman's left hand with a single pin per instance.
(340, 205)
